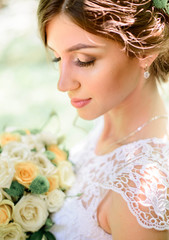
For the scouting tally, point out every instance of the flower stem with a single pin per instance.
(52, 114)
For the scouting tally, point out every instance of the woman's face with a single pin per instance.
(94, 71)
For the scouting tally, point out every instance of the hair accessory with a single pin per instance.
(162, 4)
(146, 73)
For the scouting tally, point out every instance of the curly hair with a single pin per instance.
(136, 24)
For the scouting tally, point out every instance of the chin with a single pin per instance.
(87, 116)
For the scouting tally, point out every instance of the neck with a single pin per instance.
(144, 103)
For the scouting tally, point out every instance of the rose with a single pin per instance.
(54, 182)
(55, 200)
(66, 175)
(30, 212)
(48, 138)
(26, 172)
(45, 166)
(34, 141)
(60, 155)
(6, 209)
(6, 137)
(6, 172)
(12, 231)
(17, 150)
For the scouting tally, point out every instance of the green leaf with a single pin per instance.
(50, 155)
(16, 189)
(167, 8)
(66, 151)
(160, 3)
(49, 236)
(35, 131)
(61, 139)
(49, 223)
(54, 164)
(36, 235)
(20, 131)
(33, 150)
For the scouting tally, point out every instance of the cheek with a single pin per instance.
(114, 83)
(104, 80)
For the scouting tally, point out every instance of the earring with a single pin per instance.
(146, 72)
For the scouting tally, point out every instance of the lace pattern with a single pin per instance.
(142, 180)
(138, 171)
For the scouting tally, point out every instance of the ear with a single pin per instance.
(147, 60)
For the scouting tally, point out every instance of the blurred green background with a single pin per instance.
(28, 81)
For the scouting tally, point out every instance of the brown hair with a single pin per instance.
(136, 24)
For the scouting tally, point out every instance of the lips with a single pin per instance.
(79, 103)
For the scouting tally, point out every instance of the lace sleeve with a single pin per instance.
(144, 185)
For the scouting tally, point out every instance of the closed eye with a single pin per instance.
(84, 64)
(77, 62)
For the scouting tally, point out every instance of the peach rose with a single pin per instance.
(26, 172)
(54, 182)
(27, 131)
(5, 138)
(6, 210)
(60, 155)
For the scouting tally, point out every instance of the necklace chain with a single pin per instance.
(139, 129)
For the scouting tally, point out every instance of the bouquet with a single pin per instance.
(34, 176)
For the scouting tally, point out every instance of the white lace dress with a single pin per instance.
(139, 171)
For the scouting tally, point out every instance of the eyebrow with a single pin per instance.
(78, 47)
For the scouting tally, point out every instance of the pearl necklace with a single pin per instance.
(138, 129)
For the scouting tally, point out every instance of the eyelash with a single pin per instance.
(78, 62)
(84, 64)
(55, 60)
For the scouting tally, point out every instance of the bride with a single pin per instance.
(112, 55)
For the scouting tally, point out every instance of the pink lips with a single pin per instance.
(79, 103)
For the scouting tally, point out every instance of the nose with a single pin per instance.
(67, 79)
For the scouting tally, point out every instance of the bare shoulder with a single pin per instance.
(122, 224)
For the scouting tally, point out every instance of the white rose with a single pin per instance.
(30, 212)
(44, 164)
(12, 231)
(6, 172)
(55, 200)
(66, 174)
(34, 141)
(48, 138)
(17, 150)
